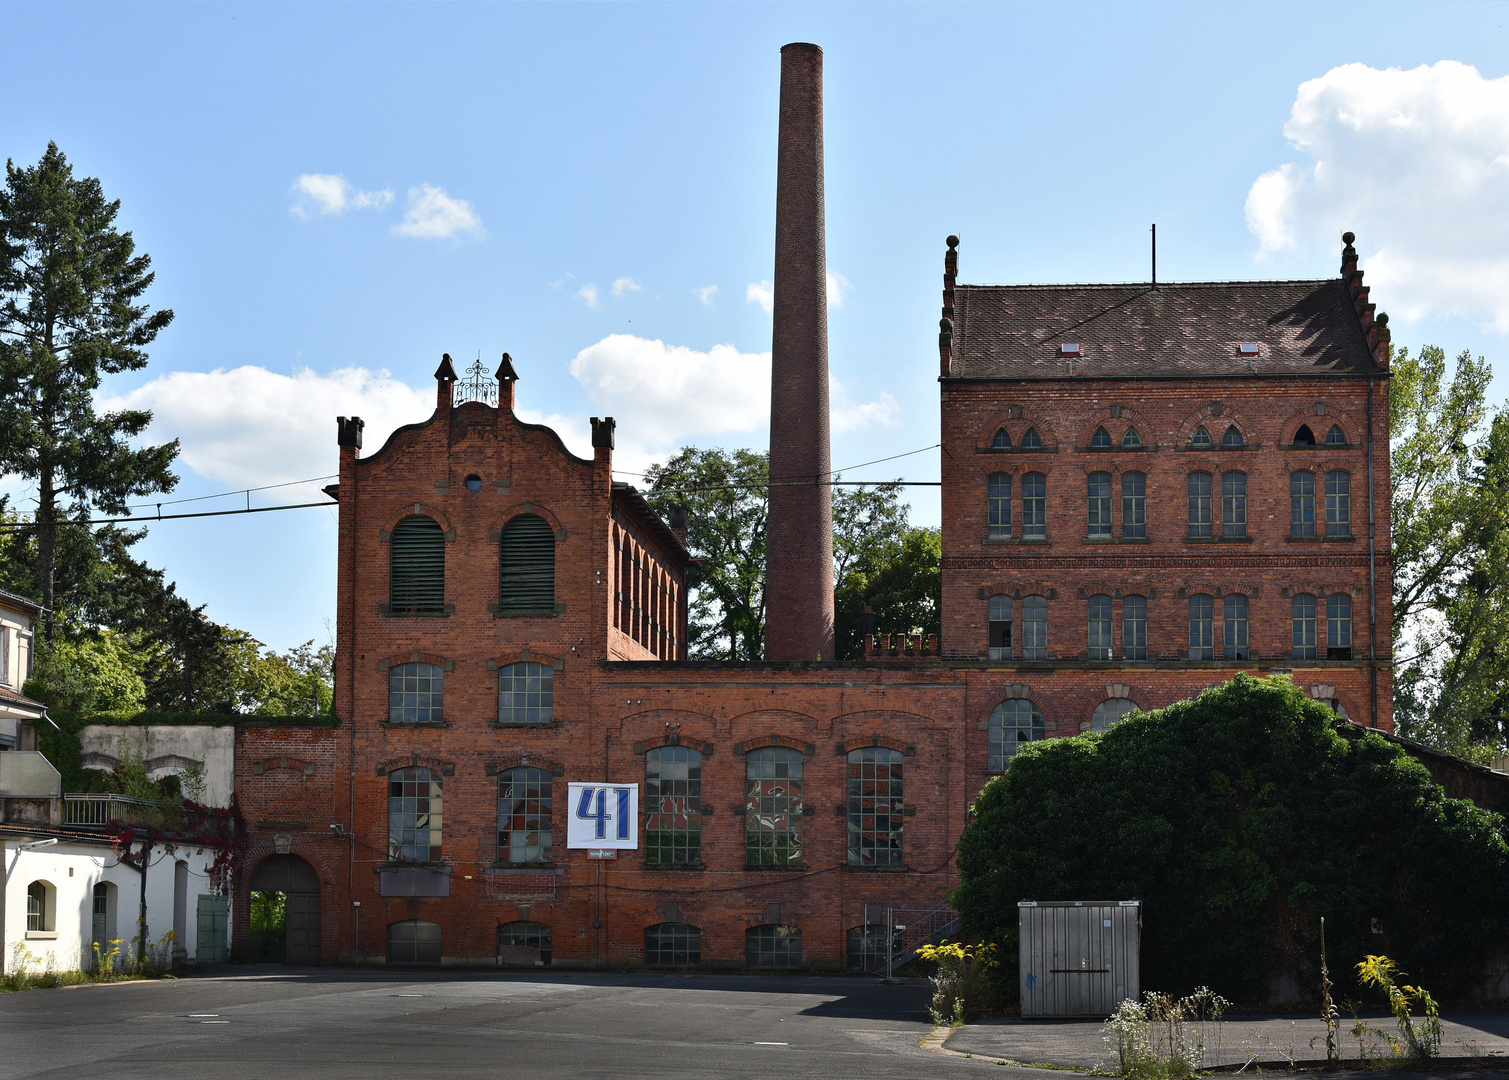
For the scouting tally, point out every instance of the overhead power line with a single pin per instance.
(17, 526)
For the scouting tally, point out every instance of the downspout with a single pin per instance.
(1372, 569)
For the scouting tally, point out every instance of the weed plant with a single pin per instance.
(1163, 1037)
(959, 983)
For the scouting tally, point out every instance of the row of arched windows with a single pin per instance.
(1216, 630)
(526, 567)
(416, 693)
(1131, 439)
(1315, 508)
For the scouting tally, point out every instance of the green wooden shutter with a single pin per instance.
(526, 578)
(418, 563)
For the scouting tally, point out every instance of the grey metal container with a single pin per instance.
(1079, 957)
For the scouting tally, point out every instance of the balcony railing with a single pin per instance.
(97, 811)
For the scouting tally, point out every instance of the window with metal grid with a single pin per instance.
(1234, 504)
(876, 796)
(413, 941)
(1233, 437)
(1302, 503)
(1338, 503)
(524, 815)
(1001, 440)
(1302, 614)
(416, 694)
(1234, 628)
(526, 561)
(1131, 440)
(1098, 494)
(1134, 628)
(1336, 437)
(1100, 627)
(416, 559)
(517, 940)
(414, 814)
(1202, 645)
(998, 487)
(1034, 628)
(1032, 440)
(1109, 711)
(36, 906)
(773, 807)
(672, 944)
(1134, 505)
(1199, 503)
(1034, 505)
(1201, 437)
(526, 693)
(998, 626)
(1339, 626)
(673, 802)
(1101, 440)
(772, 946)
(1013, 724)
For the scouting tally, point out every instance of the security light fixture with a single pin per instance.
(38, 843)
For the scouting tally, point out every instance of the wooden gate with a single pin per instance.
(296, 879)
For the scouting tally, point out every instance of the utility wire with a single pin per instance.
(17, 526)
(238, 491)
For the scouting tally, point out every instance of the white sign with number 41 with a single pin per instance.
(602, 816)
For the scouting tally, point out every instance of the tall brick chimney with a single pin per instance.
(799, 541)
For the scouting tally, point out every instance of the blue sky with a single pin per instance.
(334, 195)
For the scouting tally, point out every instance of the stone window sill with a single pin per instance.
(417, 724)
(1320, 446)
(504, 864)
(1040, 540)
(384, 613)
(1321, 539)
(41, 935)
(549, 725)
(852, 869)
(1016, 449)
(1219, 539)
(790, 868)
(538, 613)
(1114, 449)
(673, 868)
(395, 865)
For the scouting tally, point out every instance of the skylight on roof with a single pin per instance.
(1248, 348)
(1068, 350)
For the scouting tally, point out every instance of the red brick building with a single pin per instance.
(1146, 489)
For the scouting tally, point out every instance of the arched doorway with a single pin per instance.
(300, 886)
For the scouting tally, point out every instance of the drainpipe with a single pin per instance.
(1372, 569)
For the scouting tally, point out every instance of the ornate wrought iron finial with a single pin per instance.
(478, 385)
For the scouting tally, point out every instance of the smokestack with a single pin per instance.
(799, 541)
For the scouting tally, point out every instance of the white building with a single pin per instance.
(17, 711)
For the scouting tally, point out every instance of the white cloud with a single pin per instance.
(434, 215)
(1417, 164)
(589, 295)
(705, 293)
(249, 426)
(837, 286)
(325, 193)
(762, 293)
(845, 414)
(625, 284)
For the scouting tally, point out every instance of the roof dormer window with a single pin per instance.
(1068, 350)
(1248, 348)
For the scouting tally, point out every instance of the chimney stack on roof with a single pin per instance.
(799, 540)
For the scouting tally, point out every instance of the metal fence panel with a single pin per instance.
(1079, 958)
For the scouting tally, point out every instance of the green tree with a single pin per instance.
(70, 286)
(900, 578)
(95, 672)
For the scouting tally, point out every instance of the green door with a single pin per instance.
(214, 927)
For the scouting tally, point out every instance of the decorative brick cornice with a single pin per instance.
(416, 657)
(848, 746)
(521, 508)
(807, 749)
(417, 509)
(526, 655)
(444, 768)
(268, 765)
(530, 761)
(1018, 589)
(672, 738)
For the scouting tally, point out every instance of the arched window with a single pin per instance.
(524, 943)
(1304, 436)
(1034, 628)
(1101, 440)
(413, 941)
(1001, 440)
(1302, 503)
(1234, 504)
(999, 627)
(1098, 487)
(414, 815)
(867, 946)
(1201, 437)
(1234, 619)
(1336, 437)
(1302, 610)
(1131, 440)
(1233, 437)
(1199, 503)
(999, 508)
(526, 560)
(673, 803)
(1032, 440)
(875, 797)
(417, 566)
(1134, 506)
(1202, 644)
(416, 694)
(525, 801)
(41, 907)
(1034, 506)
(1338, 503)
(773, 946)
(1338, 627)
(526, 693)
(773, 807)
(1100, 627)
(672, 944)
(1013, 724)
(1109, 711)
(1134, 628)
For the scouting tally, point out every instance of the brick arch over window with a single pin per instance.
(1116, 419)
(417, 509)
(1018, 589)
(848, 746)
(1320, 466)
(521, 509)
(1125, 690)
(770, 718)
(1017, 420)
(526, 656)
(313, 852)
(1319, 417)
(1115, 592)
(410, 761)
(1216, 423)
(416, 657)
(1318, 590)
(1109, 464)
(1328, 693)
(883, 716)
(806, 749)
(674, 739)
(525, 761)
(1220, 588)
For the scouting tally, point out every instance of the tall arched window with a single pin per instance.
(999, 508)
(414, 814)
(1302, 613)
(1100, 627)
(1134, 505)
(1034, 506)
(875, 797)
(1098, 493)
(526, 693)
(1001, 440)
(41, 907)
(525, 805)
(1233, 437)
(1302, 503)
(673, 802)
(1234, 620)
(1013, 724)
(1234, 504)
(1109, 711)
(1134, 628)
(526, 559)
(999, 628)
(1338, 503)
(416, 694)
(1202, 645)
(1101, 440)
(413, 941)
(1338, 627)
(524, 943)
(672, 944)
(416, 554)
(773, 807)
(1336, 437)
(1034, 628)
(1199, 503)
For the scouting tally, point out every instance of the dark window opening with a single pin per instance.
(672, 944)
(1304, 436)
(417, 566)
(772, 946)
(525, 943)
(526, 577)
(999, 627)
(1302, 504)
(413, 941)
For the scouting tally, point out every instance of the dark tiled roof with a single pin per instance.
(1014, 331)
(628, 496)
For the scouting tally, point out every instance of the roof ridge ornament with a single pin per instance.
(478, 385)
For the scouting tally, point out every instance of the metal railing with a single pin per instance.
(910, 929)
(97, 811)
